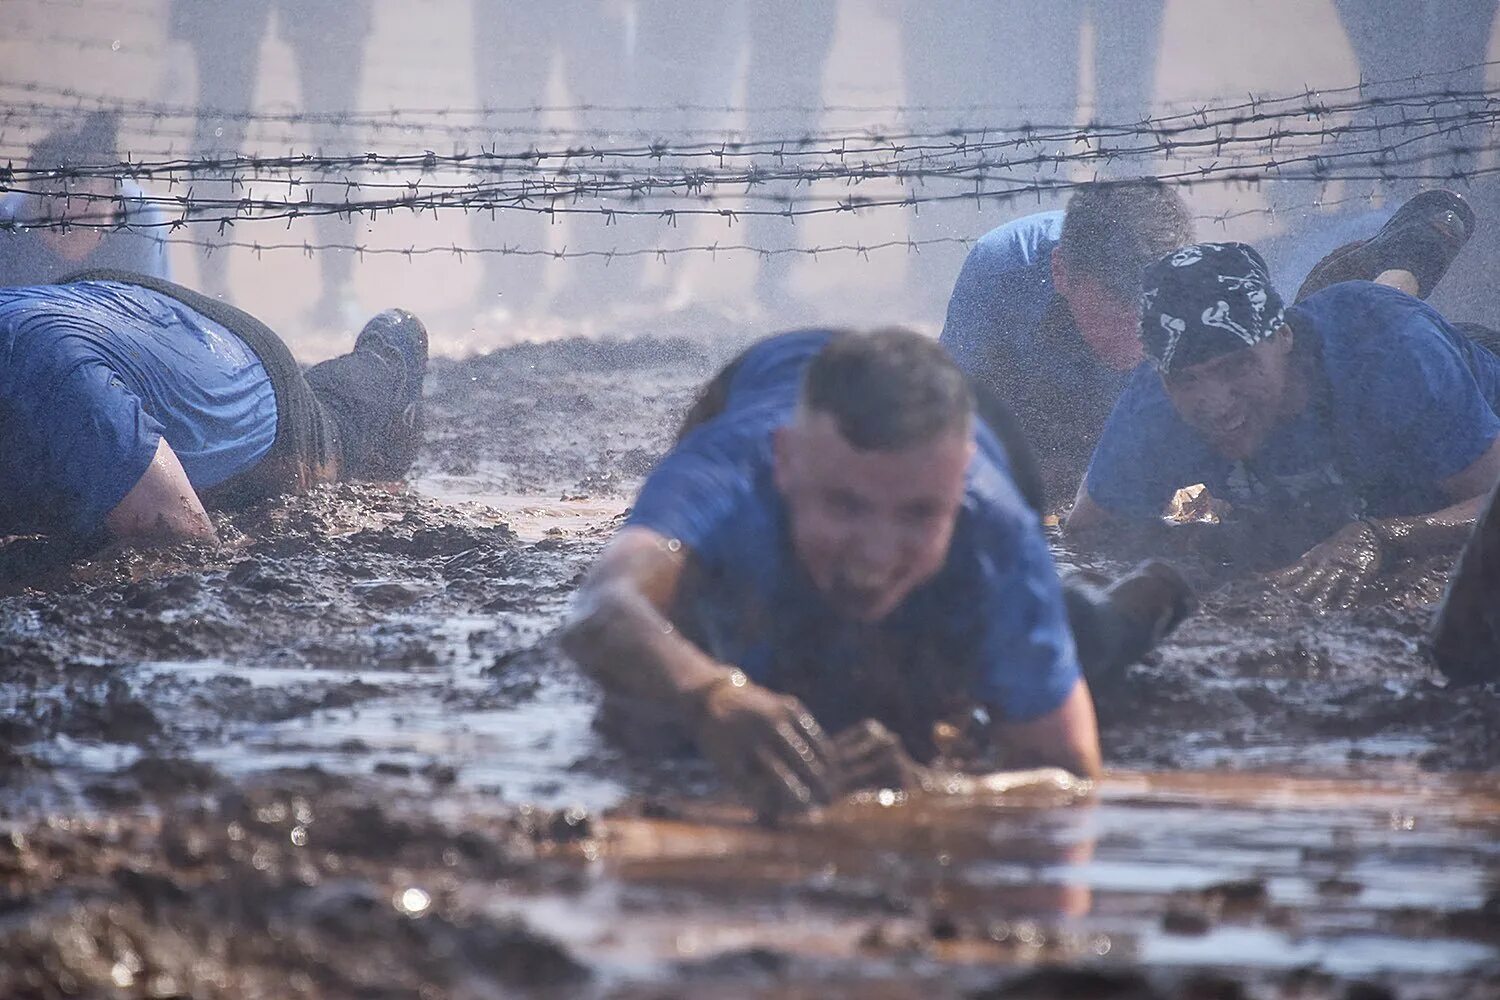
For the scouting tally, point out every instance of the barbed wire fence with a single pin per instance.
(1415, 130)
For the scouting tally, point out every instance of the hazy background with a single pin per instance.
(427, 54)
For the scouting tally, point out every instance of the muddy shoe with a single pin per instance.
(1148, 604)
(1422, 237)
(399, 339)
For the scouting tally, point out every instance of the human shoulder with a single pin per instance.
(1021, 242)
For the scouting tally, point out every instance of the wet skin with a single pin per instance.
(1236, 401)
(869, 527)
(1107, 321)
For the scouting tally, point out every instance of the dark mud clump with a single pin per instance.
(137, 690)
(297, 887)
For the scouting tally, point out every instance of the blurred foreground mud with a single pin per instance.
(339, 757)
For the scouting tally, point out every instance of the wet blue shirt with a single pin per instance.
(92, 376)
(26, 259)
(1008, 328)
(1401, 400)
(992, 616)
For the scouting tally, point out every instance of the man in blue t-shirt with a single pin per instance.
(127, 404)
(1359, 411)
(835, 538)
(1044, 313)
(110, 222)
(1045, 310)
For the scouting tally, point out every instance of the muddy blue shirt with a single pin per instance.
(1401, 400)
(92, 376)
(992, 618)
(26, 259)
(1008, 328)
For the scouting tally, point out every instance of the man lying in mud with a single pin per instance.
(130, 404)
(836, 538)
(1045, 310)
(1359, 420)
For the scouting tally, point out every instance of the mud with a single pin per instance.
(340, 756)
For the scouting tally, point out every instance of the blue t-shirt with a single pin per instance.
(92, 376)
(26, 259)
(1401, 400)
(1008, 328)
(1003, 290)
(992, 619)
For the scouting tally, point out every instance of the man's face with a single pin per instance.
(869, 526)
(1109, 322)
(1235, 399)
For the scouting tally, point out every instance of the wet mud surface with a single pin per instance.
(340, 756)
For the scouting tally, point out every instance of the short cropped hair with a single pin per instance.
(1113, 230)
(94, 140)
(887, 389)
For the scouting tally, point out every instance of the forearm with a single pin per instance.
(627, 645)
(1449, 528)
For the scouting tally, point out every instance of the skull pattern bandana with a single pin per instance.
(1205, 300)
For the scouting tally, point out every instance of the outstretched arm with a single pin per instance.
(766, 744)
(1067, 737)
(162, 507)
(1333, 573)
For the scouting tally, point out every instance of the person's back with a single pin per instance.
(1044, 313)
(749, 603)
(94, 376)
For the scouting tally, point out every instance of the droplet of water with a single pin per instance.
(413, 902)
(299, 836)
(114, 46)
(886, 797)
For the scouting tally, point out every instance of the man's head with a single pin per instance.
(1112, 231)
(92, 142)
(872, 467)
(1215, 328)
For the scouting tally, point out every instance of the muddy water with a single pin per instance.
(221, 768)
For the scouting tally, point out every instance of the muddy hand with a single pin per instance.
(871, 756)
(769, 747)
(1335, 571)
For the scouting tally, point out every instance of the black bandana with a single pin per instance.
(1205, 300)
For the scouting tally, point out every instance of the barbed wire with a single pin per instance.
(621, 195)
(355, 118)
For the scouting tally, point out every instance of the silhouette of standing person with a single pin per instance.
(517, 46)
(789, 45)
(1003, 64)
(328, 40)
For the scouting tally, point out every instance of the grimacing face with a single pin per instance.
(869, 527)
(1236, 399)
(1109, 324)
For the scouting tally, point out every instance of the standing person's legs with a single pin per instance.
(789, 44)
(1465, 637)
(328, 42)
(1127, 37)
(515, 46)
(226, 46)
(1020, 59)
(373, 394)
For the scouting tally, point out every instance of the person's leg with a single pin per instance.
(226, 46)
(1465, 636)
(1115, 626)
(329, 49)
(373, 395)
(1127, 36)
(515, 47)
(789, 45)
(1412, 251)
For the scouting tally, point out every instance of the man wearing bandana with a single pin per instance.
(1045, 309)
(1359, 414)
